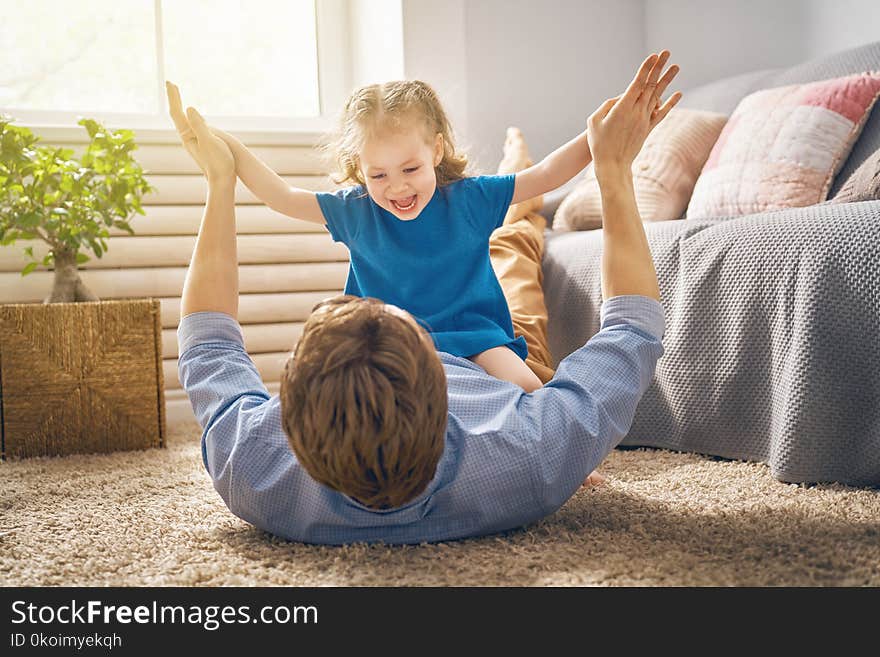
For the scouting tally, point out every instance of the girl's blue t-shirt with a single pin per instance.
(435, 266)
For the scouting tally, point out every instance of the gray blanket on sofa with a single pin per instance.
(772, 344)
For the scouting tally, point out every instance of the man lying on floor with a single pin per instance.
(376, 436)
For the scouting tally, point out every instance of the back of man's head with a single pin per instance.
(364, 402)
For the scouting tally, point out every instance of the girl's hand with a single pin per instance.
(208, 150)
(617, 130)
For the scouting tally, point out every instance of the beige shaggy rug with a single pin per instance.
(152, 518)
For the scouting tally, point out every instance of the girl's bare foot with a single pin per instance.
(594, 479)
(516, 153)
(516, 158)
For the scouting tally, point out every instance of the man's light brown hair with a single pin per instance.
(364, 402)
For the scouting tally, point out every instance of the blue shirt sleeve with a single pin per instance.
(581, 414)
(341, 211)
(244, 447)
(488, 200)
(523, 455)
(220, 380)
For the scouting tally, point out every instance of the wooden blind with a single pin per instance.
(286, 266)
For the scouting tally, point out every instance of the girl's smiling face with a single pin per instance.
(398, 168)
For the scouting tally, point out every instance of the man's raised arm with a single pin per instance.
(589, 405)
(616, 133)
(211, 282)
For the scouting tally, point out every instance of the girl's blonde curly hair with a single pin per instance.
(390, 106)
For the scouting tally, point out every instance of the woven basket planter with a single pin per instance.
(81, 377)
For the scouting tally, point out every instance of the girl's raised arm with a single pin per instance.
(269, 187)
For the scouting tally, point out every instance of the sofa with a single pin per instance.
(772, 343)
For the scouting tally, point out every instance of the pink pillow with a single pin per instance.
(782, 147)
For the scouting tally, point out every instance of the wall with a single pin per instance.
(499, 62)
(841, 24)
(377, 38)
(434, 50)
(716, 38)
(545, 66)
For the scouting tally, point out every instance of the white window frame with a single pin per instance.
(333, 31)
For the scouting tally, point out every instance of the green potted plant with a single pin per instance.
(69, 204)
(77, 374)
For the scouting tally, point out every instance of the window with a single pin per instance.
(245, 64)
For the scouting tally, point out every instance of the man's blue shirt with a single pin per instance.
(509, 459)
(435, 266)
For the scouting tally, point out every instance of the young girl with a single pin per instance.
(417, 227)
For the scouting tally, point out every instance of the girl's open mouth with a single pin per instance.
(406, 204)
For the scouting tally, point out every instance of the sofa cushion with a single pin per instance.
(581, 209)
(724, 94)
(863, 184)
(664, 172)
(783, 146)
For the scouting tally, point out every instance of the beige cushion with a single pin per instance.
(863, 184)
(664, 172)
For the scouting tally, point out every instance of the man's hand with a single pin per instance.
(210, 152)
(617, 130)
(230, 141)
